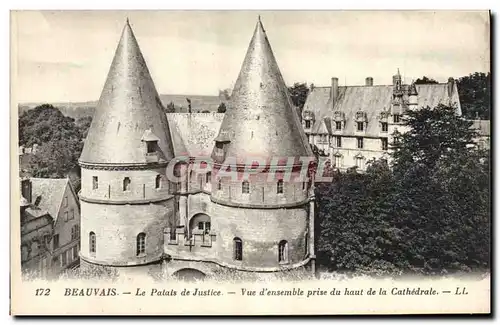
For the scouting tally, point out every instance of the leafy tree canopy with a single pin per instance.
(298, 94)
(474, 91)
(425, 80)
(221, 108)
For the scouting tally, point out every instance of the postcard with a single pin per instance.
(250, 162)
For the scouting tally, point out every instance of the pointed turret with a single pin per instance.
(261, 121)
(129, 112)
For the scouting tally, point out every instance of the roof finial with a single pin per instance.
(259, 19)
(128, 23)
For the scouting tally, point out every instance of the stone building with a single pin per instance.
(355, 124)
(50, 226)
(136, 219)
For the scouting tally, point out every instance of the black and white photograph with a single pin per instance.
(208, 155)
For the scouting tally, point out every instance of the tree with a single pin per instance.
(205, 111)
(170, 108)
(298, 94)
(221, 108)
(60, 142)
(474, 91)
(425, 80)
(83, 124)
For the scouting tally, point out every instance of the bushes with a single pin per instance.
(429, 213)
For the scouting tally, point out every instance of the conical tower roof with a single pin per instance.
(129, 112)
(261, 121)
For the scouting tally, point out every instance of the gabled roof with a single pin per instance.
(262, 122)
(194, 134)
(129, 105)
(372, 100)
(48, 193)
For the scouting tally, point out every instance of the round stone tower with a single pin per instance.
(263, 219)
(126, 202)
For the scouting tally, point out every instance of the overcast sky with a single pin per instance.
(65, 56)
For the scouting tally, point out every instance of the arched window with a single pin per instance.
(219, 184)
(279, 188)
(158, 181)
(92, 242)
(238, 249)
(141, 243)
(245, 187)
(126, 184)
(283, 251)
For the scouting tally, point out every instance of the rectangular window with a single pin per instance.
(245, 187)
(66, 218)
(384, 143)
(208, 178)
(385, 127)
(308, 124)
(359, 162)
(338, 125)
(338, 142)
(63, 259)
(338, 161)
(95, 183)
(69, 255)
(279, 188)
(55, 241)
(361, 126)
(151, 146)
(74, 250)
(65, 201)
(396, 118)
(200, 225)
(360, 143)
(71, 214)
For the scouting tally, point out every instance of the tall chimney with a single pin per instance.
(369, 81)
(334, 91)
(451, 82)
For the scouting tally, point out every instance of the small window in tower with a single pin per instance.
(126, 184)
(279, 188)
(95, 183)
(238, 249)
(151, 146)
(361, 126)
(396, 118)
(308, 124)
(92, 242)
(208, 177)
(338, 125)
(283, 252)
(245, 187)
(219, 184)
(385, 126)
(158, 181)
(141, 243)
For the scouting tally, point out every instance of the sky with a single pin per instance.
(64, 56)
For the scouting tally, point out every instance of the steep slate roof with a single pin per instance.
(51, 192)
(262, 122)
(194, 134)
(370, 99)
(129, 105)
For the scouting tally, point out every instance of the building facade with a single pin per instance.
(355, 124)
(137, 219)
(50, 226)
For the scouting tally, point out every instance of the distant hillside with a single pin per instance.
(82, 109)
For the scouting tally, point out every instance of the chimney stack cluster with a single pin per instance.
(369, 81)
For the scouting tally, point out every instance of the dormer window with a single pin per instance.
(151, 141)
(385, 126)
(338, 125)
(151, 146)
(308, 124)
